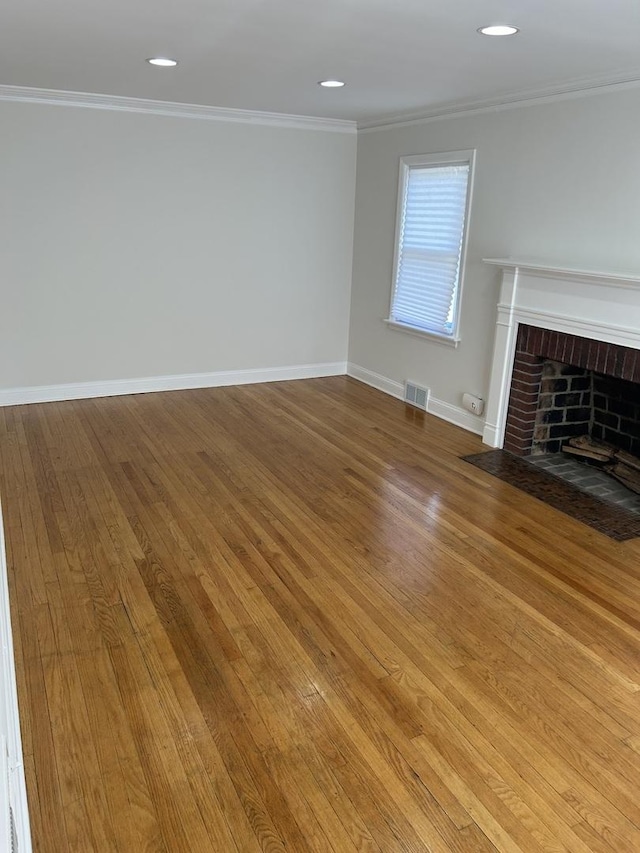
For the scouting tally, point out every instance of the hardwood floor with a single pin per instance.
(289, 617)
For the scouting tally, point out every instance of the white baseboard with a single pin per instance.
(447, 411)
(13, 792)
(376, 380)
(492, 435)
(179, 382)
(456, 415)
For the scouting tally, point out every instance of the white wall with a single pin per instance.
(13, 792)
(139, 245)
(557, 182)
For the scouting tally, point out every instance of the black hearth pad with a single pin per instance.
(616, 522)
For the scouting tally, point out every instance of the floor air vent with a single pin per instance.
(416, 395)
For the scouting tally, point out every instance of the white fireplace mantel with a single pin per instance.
(596, 305)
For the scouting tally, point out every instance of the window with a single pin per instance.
(433, 211)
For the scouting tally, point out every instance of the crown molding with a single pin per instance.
(24, 94)
(576, 88)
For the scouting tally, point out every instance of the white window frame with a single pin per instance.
(447, 158)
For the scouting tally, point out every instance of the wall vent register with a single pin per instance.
(416, 395)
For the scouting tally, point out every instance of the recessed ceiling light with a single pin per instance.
(499, 30)
(162, 61)
(331, 84)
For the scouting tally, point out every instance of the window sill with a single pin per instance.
(420, 333)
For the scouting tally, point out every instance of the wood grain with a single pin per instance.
(289, 617)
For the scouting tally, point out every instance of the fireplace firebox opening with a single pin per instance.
(564, 386)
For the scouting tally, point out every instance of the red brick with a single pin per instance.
(523, 439)
(524, 334)
(528, 389)
(610, 359)
(619, 361)
(565, 344)
(525, 408)
(518, 398)
(517, 450)
(523, 367)
(628, 363)
(525, 374)
(548, 341)
(516, 421)
(525, 435)
(535, 341)
(585, 349)
(525, 387)
(528, 358)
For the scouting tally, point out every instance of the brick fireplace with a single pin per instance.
(566, 371)
(565, 385)
(565, 340)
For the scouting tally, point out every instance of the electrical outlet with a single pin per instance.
(473, 403)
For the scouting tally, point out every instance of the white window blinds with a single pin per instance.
(431, 231)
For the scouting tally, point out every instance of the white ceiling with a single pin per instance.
(397, 56)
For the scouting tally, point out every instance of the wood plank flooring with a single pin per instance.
(288, 617)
